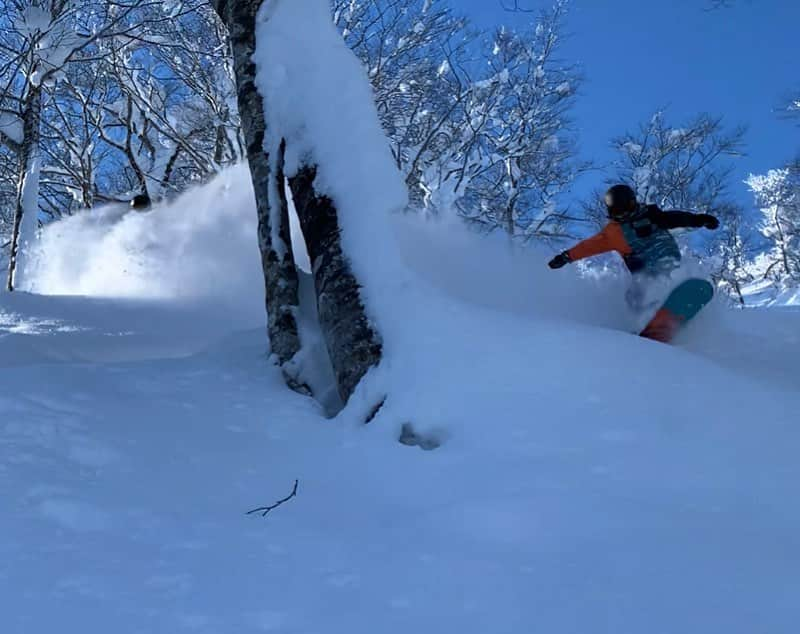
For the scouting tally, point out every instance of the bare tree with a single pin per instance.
(40, 37)
(196, 52)
(777, 193)
(101, 101)
(732, 252)
(490, 142)
(415, 53)
(680, 167)
(527, 155)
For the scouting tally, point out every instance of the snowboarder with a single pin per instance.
(640, 234)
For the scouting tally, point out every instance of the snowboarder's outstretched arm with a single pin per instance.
(610, 238)
(680, 219)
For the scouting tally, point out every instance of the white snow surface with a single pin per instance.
(588, 481)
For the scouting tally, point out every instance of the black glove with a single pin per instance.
(710, 222)
(562, 259)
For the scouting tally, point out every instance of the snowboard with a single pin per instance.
(683, 304)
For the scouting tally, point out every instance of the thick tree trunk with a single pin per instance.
(353, 344)
(280, 275)
(25, 214)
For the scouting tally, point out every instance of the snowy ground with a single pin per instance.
(588, 481)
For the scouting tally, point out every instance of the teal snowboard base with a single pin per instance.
(682, 305)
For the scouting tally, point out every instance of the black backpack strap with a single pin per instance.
(644, 222)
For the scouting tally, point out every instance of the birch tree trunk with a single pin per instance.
(280, 275)
(27, 204)
(353, 345)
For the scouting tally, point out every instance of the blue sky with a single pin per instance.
(639, 55)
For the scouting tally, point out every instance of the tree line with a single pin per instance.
(107, 101)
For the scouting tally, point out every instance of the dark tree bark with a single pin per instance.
(280, 275)
(353, 344)
(170, 168)
(141, 177)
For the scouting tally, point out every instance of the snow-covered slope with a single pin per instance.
(586, 480)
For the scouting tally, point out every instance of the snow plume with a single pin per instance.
(319, 99)
(491, 272)
(202, 245)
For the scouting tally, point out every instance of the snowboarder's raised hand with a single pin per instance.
(710, 222)
(562, 259)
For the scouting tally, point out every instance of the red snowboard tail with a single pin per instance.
(683, 303)
(662, 327)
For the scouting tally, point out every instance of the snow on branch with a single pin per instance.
(777, 194)
(681, 167)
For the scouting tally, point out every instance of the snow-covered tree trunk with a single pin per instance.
(353, 344)
(280, 275)
(27, 207)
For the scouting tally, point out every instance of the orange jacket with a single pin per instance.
(644, 241)
(611, 238)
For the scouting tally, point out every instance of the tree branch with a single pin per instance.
(266, 509)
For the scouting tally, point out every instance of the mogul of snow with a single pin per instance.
(640, 234)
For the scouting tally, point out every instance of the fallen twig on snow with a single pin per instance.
(266, 509)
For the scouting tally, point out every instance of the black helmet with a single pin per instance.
(141, 202)
(620, 201)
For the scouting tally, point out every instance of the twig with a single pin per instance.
(514, 7)
(266, 509)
